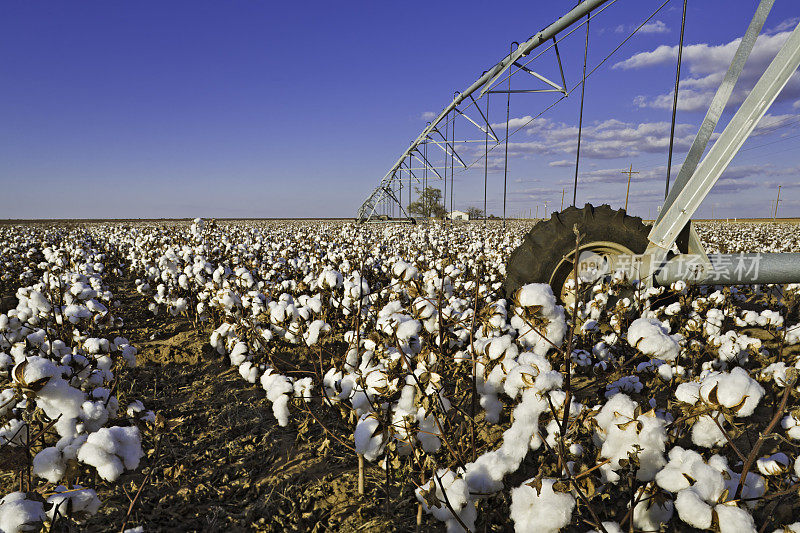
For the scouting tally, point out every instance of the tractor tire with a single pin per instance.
(549, 242)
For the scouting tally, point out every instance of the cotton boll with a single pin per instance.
(693, 510)
(239, 354)
(540, 512)
(249, 371)
(368, 438)
(110, 450)
(706, 433)
(315, 329)
(49, 464)
(446, 482)
(734, 520)
(651, 338)
(280, 409)
(773, 465)
(59, 399)
(733, 390)
(78, 502)
(649, 515)
(18, 514)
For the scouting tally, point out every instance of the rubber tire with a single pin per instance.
(549, 241)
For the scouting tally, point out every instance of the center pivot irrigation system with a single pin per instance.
(611, 240)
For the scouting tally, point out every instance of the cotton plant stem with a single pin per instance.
(360, 474)
(761, 438)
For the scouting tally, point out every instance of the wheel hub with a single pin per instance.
(593, 264)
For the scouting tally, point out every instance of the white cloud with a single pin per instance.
(609, 139)
(654, 27)
(788, 24)
(707, 65)
(515, 123)
(428, 115)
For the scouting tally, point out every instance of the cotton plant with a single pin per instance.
(405, 334)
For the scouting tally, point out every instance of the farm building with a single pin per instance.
(457, 215)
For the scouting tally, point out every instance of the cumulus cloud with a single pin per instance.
(428, 115)
(608, 139)
(788, 24)
(656, 26)
(707, 64)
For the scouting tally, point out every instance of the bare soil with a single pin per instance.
(223, 463)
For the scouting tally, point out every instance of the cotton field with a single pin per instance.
(451, 405)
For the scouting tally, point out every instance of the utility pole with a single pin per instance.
(778, 199)
(562, 198)
(537, 211)
(545, 208)
(629, 172)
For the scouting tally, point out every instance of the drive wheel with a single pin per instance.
(547, 252)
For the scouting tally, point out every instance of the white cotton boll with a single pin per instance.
(111, 450)
(457, 495)
(773, 465)
(428, 432)
(315, 329)
(493, 407)
(693, 510)
(368, 438)
(280, 410)
(706, 433)
(249, 371)
(688, 392)
(76, 502)
(789, 528)
(94, 415)
(303, 388)
(649, 515)
(534, 294)
(49, 464)
(18, 514)
(138, 529)
(520, 377)
(59, 399)
(134, 407)
(129, 355)
(545, 512)
(35, 369)
(650, 337)
(180, 305)
(239, 354)
(733, 389)
(734, 520)
(497, 347)
(408, 329)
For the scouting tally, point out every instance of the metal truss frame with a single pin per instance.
(384, 192)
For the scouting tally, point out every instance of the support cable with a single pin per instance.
(505, 162)
(580, 83)
(446, 135)
(486, 161)
(452, 162)
(580, 115)
(675, 101)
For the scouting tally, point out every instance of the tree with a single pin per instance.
(428, 203)
(474, 213)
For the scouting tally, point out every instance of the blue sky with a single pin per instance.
(265, 109)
